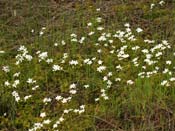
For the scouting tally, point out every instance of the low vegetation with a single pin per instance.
(87, 65)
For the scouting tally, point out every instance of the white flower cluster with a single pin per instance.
(16, 95)
(121, 53)
(23, 55)
(126, 35)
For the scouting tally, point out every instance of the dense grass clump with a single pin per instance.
(109, 67)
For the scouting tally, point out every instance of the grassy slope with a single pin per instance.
(129, 109)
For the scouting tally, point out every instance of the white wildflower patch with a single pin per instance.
(61, 82)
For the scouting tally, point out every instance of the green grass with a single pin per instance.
(145, 105)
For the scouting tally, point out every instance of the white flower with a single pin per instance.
(27, 97)
(58, 98)
(165, 42)
(158, 54)
(152, 6)
(82, 40)
(130, 82)
(2, 52)
(43, 56)
(99, 19)
(55, 44)
(101, 68)
(102, 90)
(94, 58)
(63, 42)
(96, 44)
(164, 82)
(97, 99)
(99, 50)
(49, 61)
(165, 71)
(106, 97)
(73, 35)
(16, 95)
(31, 81)
(157, 68)
(35, 87)
(16, 74)
(5, 114)
(64, 100)
(46, 100)
(91, 33)
(112, 51)
(148, 56)
(139, 30)
(32, 31)
(43, 114)
(86, 86)
(73, 62)
(82, 106)
(72, 86)
(81, 111)
(46, 121)
(109, 83)
(56, 68)
(125, 56)
(88, 61)
(74, 40)
(98, 9)
(172, 79)
(37, 126)
(149, 41)
(117, 79)
(102, 38)
(128, 30)
(16, 82)
(162, 2)
(55, 125)
(100, 62)
(105, 78)
(145, 51)
(43, 28)
(100, 28)
(108, 35)
(72, 91)
(7, 83)
(168, 62)
(89, 24)
(41, 33)
(28, 57)
(61, 119)
(127, 25)
(66, 111)
(119, 67)
(76, 110)
(65, 55)
(22, 48)
(111, 41)
(6, 68)
(135, 59)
